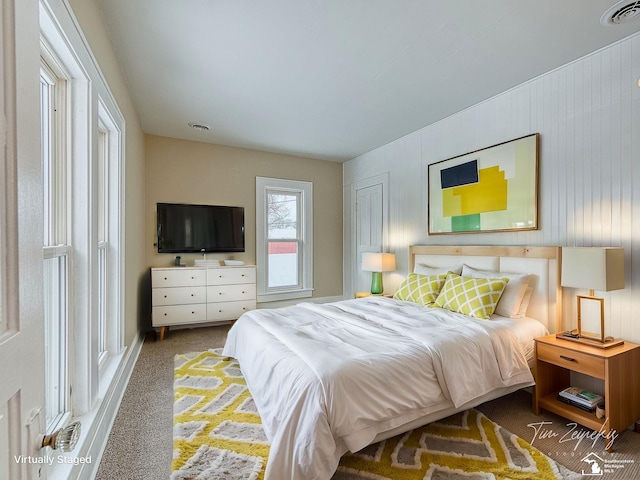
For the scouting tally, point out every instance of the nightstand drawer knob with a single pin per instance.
(569, 359)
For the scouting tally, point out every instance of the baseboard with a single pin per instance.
(98, 434)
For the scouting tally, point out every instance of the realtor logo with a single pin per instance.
(596, 465)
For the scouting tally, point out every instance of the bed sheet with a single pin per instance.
(328, 378)
(525, 329)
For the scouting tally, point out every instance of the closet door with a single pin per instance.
(369, 221)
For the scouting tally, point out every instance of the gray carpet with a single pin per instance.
(140, 443)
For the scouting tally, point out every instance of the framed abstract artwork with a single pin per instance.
(493, 189)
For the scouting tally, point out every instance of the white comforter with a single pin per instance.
(328, 378)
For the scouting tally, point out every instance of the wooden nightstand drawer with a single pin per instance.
(571, 359)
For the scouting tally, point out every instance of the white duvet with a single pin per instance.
(328, 378)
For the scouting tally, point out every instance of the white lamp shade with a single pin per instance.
(595, 268)
(378, 262)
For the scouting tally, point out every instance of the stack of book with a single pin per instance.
(581, 398)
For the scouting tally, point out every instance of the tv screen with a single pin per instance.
(199, 228)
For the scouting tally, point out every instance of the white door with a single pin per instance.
(21, 225)
(369, 230)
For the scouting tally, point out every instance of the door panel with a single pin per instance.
(369, 230)
(21, 298)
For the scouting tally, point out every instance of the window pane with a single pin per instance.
(46, 106)
(102, 298)
(283, 264)
(103, 155)
(55, 327)
(282, 215)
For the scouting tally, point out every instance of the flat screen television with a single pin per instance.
(186, 228)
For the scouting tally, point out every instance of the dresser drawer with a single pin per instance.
(226, 276)
(179, 314)
(571, 359)
(178, 295)
(228, 310)
(231, 293)
(178, 277)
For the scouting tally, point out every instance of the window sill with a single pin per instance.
(286, 295)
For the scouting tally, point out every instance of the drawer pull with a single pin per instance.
(165, 314)
(569, 359)
(193, 313)
(165, 296)
(192, 295)
(165, 278)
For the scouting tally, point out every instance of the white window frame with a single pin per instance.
(90, 106)
(54, 110)
(109, 244)
(304, 289)
(92, 376)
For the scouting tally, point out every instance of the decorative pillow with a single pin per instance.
(421, 289)
(511, 298)
(476, 297)
(423, 269)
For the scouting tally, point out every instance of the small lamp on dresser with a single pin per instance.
(378, 263)
(592, 268)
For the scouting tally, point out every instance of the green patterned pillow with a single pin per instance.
(476, 297)
(421, 289)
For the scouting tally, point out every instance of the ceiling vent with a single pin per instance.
(621, 12)
(200, 126)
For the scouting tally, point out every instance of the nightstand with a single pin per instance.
(555, 359)
(368, 294)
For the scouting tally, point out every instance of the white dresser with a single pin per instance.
(188, 295)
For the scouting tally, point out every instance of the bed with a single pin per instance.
(332, 378)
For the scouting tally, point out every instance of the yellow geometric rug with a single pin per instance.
(218, 436)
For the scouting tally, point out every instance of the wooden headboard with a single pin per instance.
(542, 263)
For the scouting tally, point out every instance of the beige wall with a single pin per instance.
(181, 171)
(89, 16)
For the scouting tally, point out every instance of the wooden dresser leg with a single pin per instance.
(163, 330)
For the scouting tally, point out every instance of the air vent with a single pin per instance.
(200, 126)
(621, 12)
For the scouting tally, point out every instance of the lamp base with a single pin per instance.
(376, 283)
(574, 337)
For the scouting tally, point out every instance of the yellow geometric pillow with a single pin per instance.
(421, 289)
(476, 297)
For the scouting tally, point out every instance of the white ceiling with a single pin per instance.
(332, 79)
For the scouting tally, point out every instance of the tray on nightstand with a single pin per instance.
(574, 337)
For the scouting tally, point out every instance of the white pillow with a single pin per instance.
(522, 312)
(509, 304)
(423, 269)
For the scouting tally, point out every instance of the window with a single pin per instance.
(103, 241)
(284, 239)
(53, 109)
(83, 180)
(108, 238)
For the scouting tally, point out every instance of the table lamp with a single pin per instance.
(378, 263)
(593, 268)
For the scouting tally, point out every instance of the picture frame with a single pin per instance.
(493, 189)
